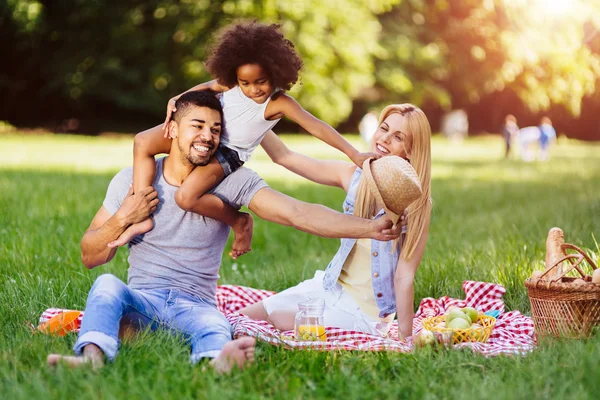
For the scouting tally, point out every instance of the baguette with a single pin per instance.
(556, 238)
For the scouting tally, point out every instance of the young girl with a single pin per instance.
(254, 65)
(367, 281)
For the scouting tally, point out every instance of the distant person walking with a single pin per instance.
(509, 131)
(547, 137)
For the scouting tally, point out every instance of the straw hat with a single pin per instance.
(393, 182)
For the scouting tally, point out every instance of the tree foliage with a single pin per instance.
(86, 56)
(453, 53)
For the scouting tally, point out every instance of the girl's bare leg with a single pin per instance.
(191, 196)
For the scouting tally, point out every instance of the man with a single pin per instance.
(174, 268)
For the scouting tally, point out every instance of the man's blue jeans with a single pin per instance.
(198, 320)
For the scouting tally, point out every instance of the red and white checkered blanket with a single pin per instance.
(512, 334)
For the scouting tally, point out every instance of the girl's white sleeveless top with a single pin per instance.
(245, 123)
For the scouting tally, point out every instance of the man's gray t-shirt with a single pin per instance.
(184, 249)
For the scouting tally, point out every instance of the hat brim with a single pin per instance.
(373, 187)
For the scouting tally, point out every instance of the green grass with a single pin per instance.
(489, 223)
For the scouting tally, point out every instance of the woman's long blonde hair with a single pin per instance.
(415, 123)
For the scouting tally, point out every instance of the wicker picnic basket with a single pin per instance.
(560, 307)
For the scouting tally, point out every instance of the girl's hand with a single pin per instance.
(170, 110)
(359, 158)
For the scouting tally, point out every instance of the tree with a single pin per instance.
(453, 53)
(134, 55)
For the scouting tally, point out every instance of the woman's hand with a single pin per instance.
(170, 110)
(403, 219)
(360, 158)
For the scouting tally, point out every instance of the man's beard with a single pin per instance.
(196, 161)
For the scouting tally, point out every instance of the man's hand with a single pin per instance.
(137, 207)
(383, 229)
(359, 158)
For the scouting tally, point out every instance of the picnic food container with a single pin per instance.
(472, 334)
(565, 306)
(309, 323)
(61, 324)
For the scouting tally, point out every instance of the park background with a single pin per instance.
(96, 67)
(111, 65)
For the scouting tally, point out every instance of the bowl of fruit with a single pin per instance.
(466, 324)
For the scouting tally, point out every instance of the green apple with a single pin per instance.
(425, 338)
(452, 315)
(472, 313)
(459, 323)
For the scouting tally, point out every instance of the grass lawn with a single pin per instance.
(490, 221)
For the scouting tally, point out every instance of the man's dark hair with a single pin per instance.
(197, 98)
(254, 43)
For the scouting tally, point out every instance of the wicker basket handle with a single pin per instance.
(574, 264)
(574, 259)
(566, 246)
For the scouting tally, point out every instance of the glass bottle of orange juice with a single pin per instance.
(309, 324)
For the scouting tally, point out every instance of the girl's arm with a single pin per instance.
(331, 173)
(404, 281)
(286, 105)
(210, 85)
(146, 145)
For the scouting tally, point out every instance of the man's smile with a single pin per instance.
(202, 148)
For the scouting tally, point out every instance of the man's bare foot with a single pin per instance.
(92, 355)
(238, 352)
(132, 231)
(242, 231)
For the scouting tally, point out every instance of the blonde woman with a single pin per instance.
(367, 282)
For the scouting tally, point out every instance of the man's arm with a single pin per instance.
(105, 227)
(317, 219)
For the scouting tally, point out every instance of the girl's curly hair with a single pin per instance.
(254, 43)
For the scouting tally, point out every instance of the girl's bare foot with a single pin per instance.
(242, 231)
(92, 355)
(239, 352)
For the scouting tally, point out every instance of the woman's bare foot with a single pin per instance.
(242, 231)
(132, 231)
(92, 355)
(238, 352)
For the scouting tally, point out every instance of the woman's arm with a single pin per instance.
(404, 281)
(289, 107)
(331, 173)
(146, 145)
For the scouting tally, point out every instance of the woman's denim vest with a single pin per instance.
(383, 259)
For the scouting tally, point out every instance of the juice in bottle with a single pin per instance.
(309, 323)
